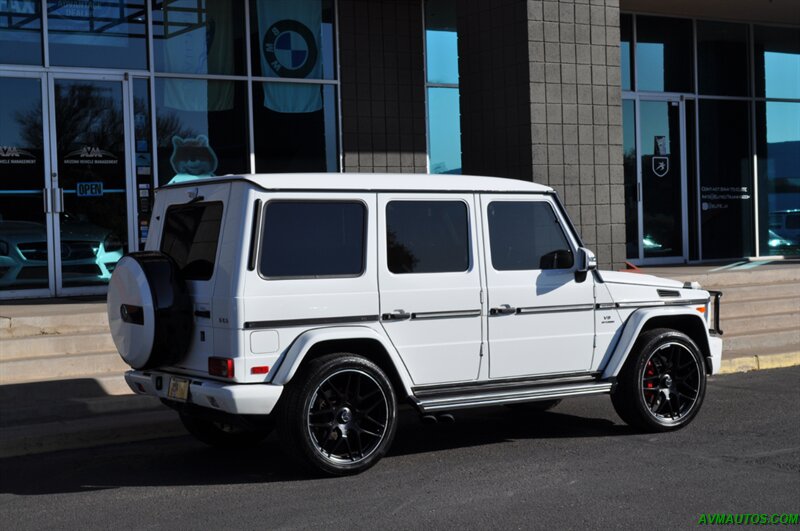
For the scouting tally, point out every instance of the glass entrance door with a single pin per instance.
(89, 171)
(26, 252)
(662, 181)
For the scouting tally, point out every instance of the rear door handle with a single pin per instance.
(503, 309)
(397, 315)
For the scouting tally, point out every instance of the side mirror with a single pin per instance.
(587, 261)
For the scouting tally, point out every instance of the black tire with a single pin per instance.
(149, 310)
(540, 406)
(221, 435)
(663, 382)
(332, 400)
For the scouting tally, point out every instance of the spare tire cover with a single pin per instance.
(149, 310)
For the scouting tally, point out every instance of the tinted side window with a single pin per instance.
(427, 236)
(191, 234)
(527, 235)
(313, 239)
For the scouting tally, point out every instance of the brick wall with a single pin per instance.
(553, 115)
(382, 84)
(576, 115)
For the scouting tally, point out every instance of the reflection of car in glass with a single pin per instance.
(776, 242)
(786, 224)
(650, 244)
(88, 252)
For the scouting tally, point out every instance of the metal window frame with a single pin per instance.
(46, 72)
(753, 100)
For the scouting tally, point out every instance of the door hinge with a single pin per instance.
(481, 296)
(480, 351)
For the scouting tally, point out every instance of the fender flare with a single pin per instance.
(296, 353)
(633, 328)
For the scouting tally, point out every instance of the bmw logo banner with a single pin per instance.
(289, 37)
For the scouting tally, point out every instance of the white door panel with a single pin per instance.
(541, 320)
(432, 318)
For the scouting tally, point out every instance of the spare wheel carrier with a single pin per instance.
(149, 310)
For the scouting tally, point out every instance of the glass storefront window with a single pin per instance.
(143, 165)
(629, 169)
(443, 130)
(441, 64)
(292, 39)
(777, 62)
(199, 37)
(295, 127)
(726, 191)
(99, 34)
(625, 43)
(201, 128)
(21, 32)
(722, 58)
(664, 54)
(441, 41)
(778, 149)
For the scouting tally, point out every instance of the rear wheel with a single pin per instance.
(663, 383)
(338, 415)
(223, 435)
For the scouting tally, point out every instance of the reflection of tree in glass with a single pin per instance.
(168, 126)
(401, 259)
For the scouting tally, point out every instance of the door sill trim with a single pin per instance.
(528, 394)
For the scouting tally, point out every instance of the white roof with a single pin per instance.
(381, 181)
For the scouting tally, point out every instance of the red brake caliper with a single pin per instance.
(649, 372)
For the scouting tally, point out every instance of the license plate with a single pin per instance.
(178, 389)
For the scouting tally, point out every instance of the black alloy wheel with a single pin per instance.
(671, 382)
(338, 414)
(347, 416)
(663, 382)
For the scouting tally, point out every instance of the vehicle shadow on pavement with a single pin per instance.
(182, 461)
(497, 425)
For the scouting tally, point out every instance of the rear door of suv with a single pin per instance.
(190, 228)
(430, 288)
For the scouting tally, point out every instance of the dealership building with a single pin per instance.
(670, 129)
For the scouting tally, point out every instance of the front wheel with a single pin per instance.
(338, 415)
(663, 382)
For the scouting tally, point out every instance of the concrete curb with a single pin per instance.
(89, 432)
(759, 362)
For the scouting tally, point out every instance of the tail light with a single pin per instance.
(220, 367)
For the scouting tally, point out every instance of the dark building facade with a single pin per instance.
(671, 130)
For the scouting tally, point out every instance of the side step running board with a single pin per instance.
(492, 398)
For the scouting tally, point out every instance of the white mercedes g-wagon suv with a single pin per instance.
(317, 303)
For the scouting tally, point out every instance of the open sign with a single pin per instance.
(89, 189)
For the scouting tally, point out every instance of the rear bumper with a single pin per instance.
(715, 348)
(236, 399)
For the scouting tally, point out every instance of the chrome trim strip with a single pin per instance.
(454, 314)
(286, 323)
(648, 304)
(555, 309)
(527, 395)
(510, 383)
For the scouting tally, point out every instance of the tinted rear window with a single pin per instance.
(427, 236)
(191, 234)
(313, 239)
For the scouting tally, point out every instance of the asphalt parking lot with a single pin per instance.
(575, 467)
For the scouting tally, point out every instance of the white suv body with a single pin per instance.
(465, 291)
